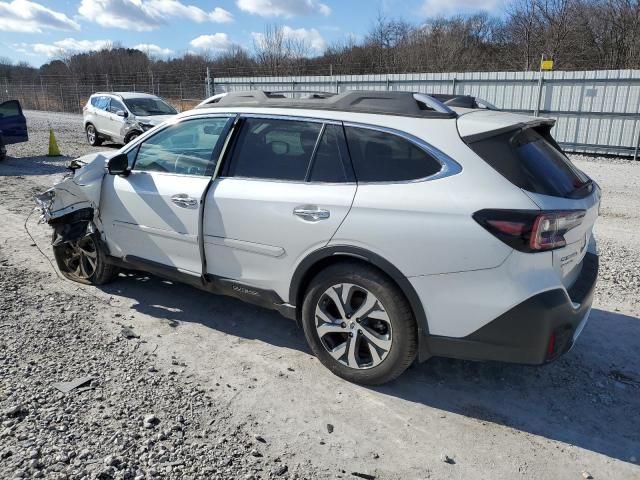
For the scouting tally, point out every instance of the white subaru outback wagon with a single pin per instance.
(389, 226)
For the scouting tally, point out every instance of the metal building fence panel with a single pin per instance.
(595, 111)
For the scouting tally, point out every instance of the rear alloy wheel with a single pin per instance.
(83, 261)
(353, 326)
(359, 324)
(92, 136)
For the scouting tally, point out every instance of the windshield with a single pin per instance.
(149, 106)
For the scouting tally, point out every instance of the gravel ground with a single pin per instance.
(189, 385)
(130, 419)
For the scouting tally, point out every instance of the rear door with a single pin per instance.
(154, 212)
(284, 189)
(100, 115)
(13, 124)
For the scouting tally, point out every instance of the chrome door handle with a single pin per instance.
(311, 213)
(183, 200)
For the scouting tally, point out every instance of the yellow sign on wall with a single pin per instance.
(546, 65)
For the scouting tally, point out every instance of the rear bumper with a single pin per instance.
(534, 332)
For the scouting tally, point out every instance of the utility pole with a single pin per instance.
(44, 97)
(543, 67)
(208, 84)
(635, 152)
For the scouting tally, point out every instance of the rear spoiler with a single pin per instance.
(548, 123)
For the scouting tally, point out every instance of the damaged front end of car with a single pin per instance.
(72, 206)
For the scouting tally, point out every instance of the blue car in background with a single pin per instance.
(13, 126)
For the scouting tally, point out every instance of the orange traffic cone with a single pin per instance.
(54, 151)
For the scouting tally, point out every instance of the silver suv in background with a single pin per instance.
(122, 116)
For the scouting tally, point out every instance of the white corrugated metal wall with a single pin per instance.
(596, 111)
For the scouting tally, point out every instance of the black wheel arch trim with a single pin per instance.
(299, 279)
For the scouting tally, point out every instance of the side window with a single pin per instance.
(185, 148)
(383, 157)
(131, 156)
(272, 148)
(115, 105)
(101, 102)
(329, 162)
(10, 109)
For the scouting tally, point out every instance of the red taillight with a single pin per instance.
(551, 347)
(510, 228)
(549, 229)
(530, 231)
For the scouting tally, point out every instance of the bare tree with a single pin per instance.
(577, 34)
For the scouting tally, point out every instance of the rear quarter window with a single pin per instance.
(379, 156)
(100, 102)
(531, 160)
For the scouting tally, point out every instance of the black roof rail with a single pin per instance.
(409, 104)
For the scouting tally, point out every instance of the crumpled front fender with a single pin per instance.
(78, 190)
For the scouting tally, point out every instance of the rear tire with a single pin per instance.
(359, 324)
(84, 261)
(92, 135)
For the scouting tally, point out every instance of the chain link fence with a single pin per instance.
(69, 94)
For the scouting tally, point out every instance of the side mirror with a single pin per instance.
(122, 113)
(118, 165)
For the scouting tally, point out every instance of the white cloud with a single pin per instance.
(153, 49)
(324, 9)
(434, 8)
(143, 15)
(69, 45)
(217, 41)
(31, 17)
(283, 8)
(311, 38)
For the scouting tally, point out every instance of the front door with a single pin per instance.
(153, 213)
(284, 189)
(13, 124)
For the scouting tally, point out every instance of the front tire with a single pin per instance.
(84, 261)
(131, 137)
(92, 135)
(359, 324)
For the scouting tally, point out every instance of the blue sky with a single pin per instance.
(38, 31)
